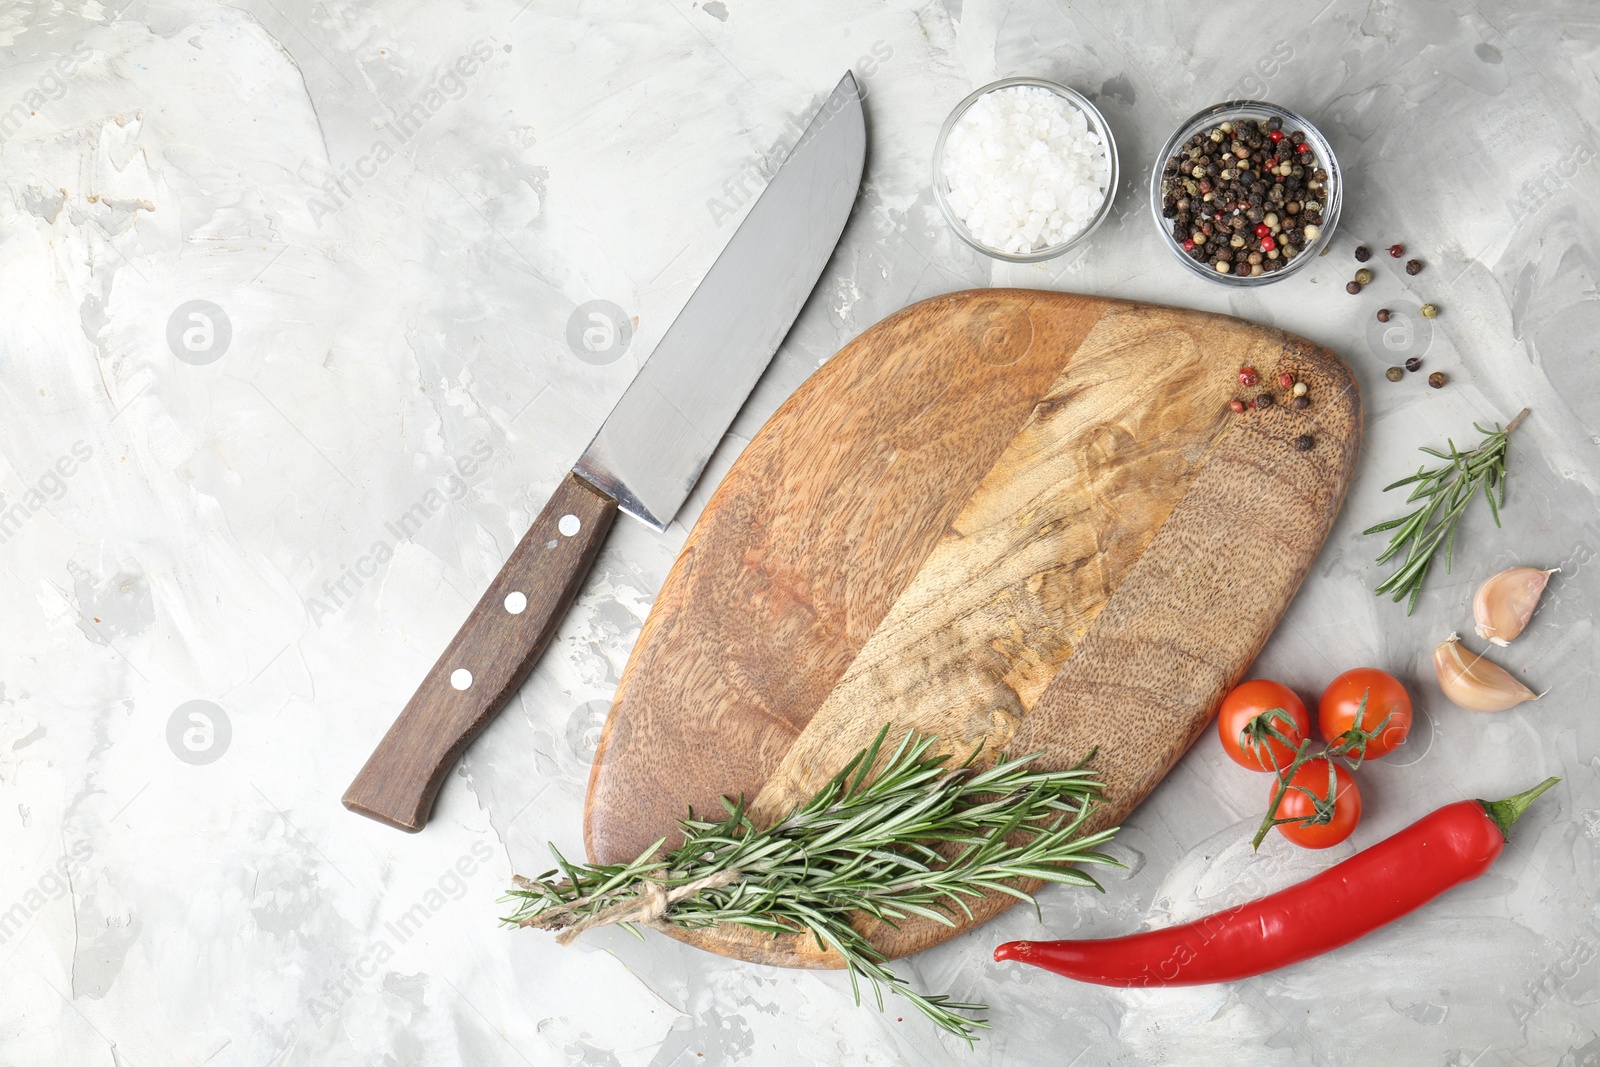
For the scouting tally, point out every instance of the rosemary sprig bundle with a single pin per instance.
(914, 838)
(1446, 491)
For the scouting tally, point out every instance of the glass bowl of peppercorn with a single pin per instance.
(1246, 193)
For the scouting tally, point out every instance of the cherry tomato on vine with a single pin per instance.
(1334, 813)
(1384, 695)
(1250, 745)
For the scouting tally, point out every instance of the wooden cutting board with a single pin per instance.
(1015, 519)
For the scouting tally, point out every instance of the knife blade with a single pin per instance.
(644, 460)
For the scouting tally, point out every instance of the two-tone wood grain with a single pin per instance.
(1072, 545)
(807, 541)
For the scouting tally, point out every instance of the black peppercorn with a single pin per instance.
(1437, 379)
(1303, 443)
(1302, 402)
(1413, 266)
(1264, 400)
(1363, 253)
(1383, 314)
(1413, 364)
(1352, 288)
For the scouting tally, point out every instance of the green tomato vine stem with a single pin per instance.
(1350, 746)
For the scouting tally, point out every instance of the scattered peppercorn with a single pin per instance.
(1301, 403)
(1364, 276)
(1363, 253)
(1247, 376)
(1413, 266)
(1264, 400)
(1352, 288)
(1383, 314)
(1299, 389)
(1239, 202)
(1429, 311)
(1437, 379)
(1396, 251)
(1413, 364)
(1303, 443)
(1394, 374)
(1285, 380)
(1236, 406)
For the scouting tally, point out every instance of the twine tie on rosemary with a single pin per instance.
(904, 838)
(647, 907)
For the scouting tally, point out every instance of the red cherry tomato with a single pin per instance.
(1251, 746)
(1325, 818)
(1384, 696)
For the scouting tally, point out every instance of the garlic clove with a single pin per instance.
(1504, 603)
(1472, 682)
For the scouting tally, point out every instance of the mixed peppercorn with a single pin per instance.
(1363, 277)
(1245, 197)
(1294, 394)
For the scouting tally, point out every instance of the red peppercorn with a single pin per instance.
(1286, 381)
(1262, 229)
(1247, 376)
(1273, 162)
(1268, 244)
(1276, 135)
(1396, 251)
(1303, 148)
(1188, 245)
(1236, 406)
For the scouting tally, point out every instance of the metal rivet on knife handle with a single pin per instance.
(486, 662)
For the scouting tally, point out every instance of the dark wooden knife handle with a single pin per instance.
(487, 661)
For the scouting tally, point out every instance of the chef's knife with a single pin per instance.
(644, 460)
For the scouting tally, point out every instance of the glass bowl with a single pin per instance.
(1333, 196)
(1097, 123)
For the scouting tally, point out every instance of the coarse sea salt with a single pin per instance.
(1024, 169)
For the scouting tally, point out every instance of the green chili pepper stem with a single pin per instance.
(1508, 811)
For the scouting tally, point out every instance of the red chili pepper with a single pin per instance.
(1455, 844)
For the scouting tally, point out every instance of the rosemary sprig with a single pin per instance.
(1446, 491)
(913, 838)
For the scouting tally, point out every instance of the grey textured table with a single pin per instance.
(280, 503)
